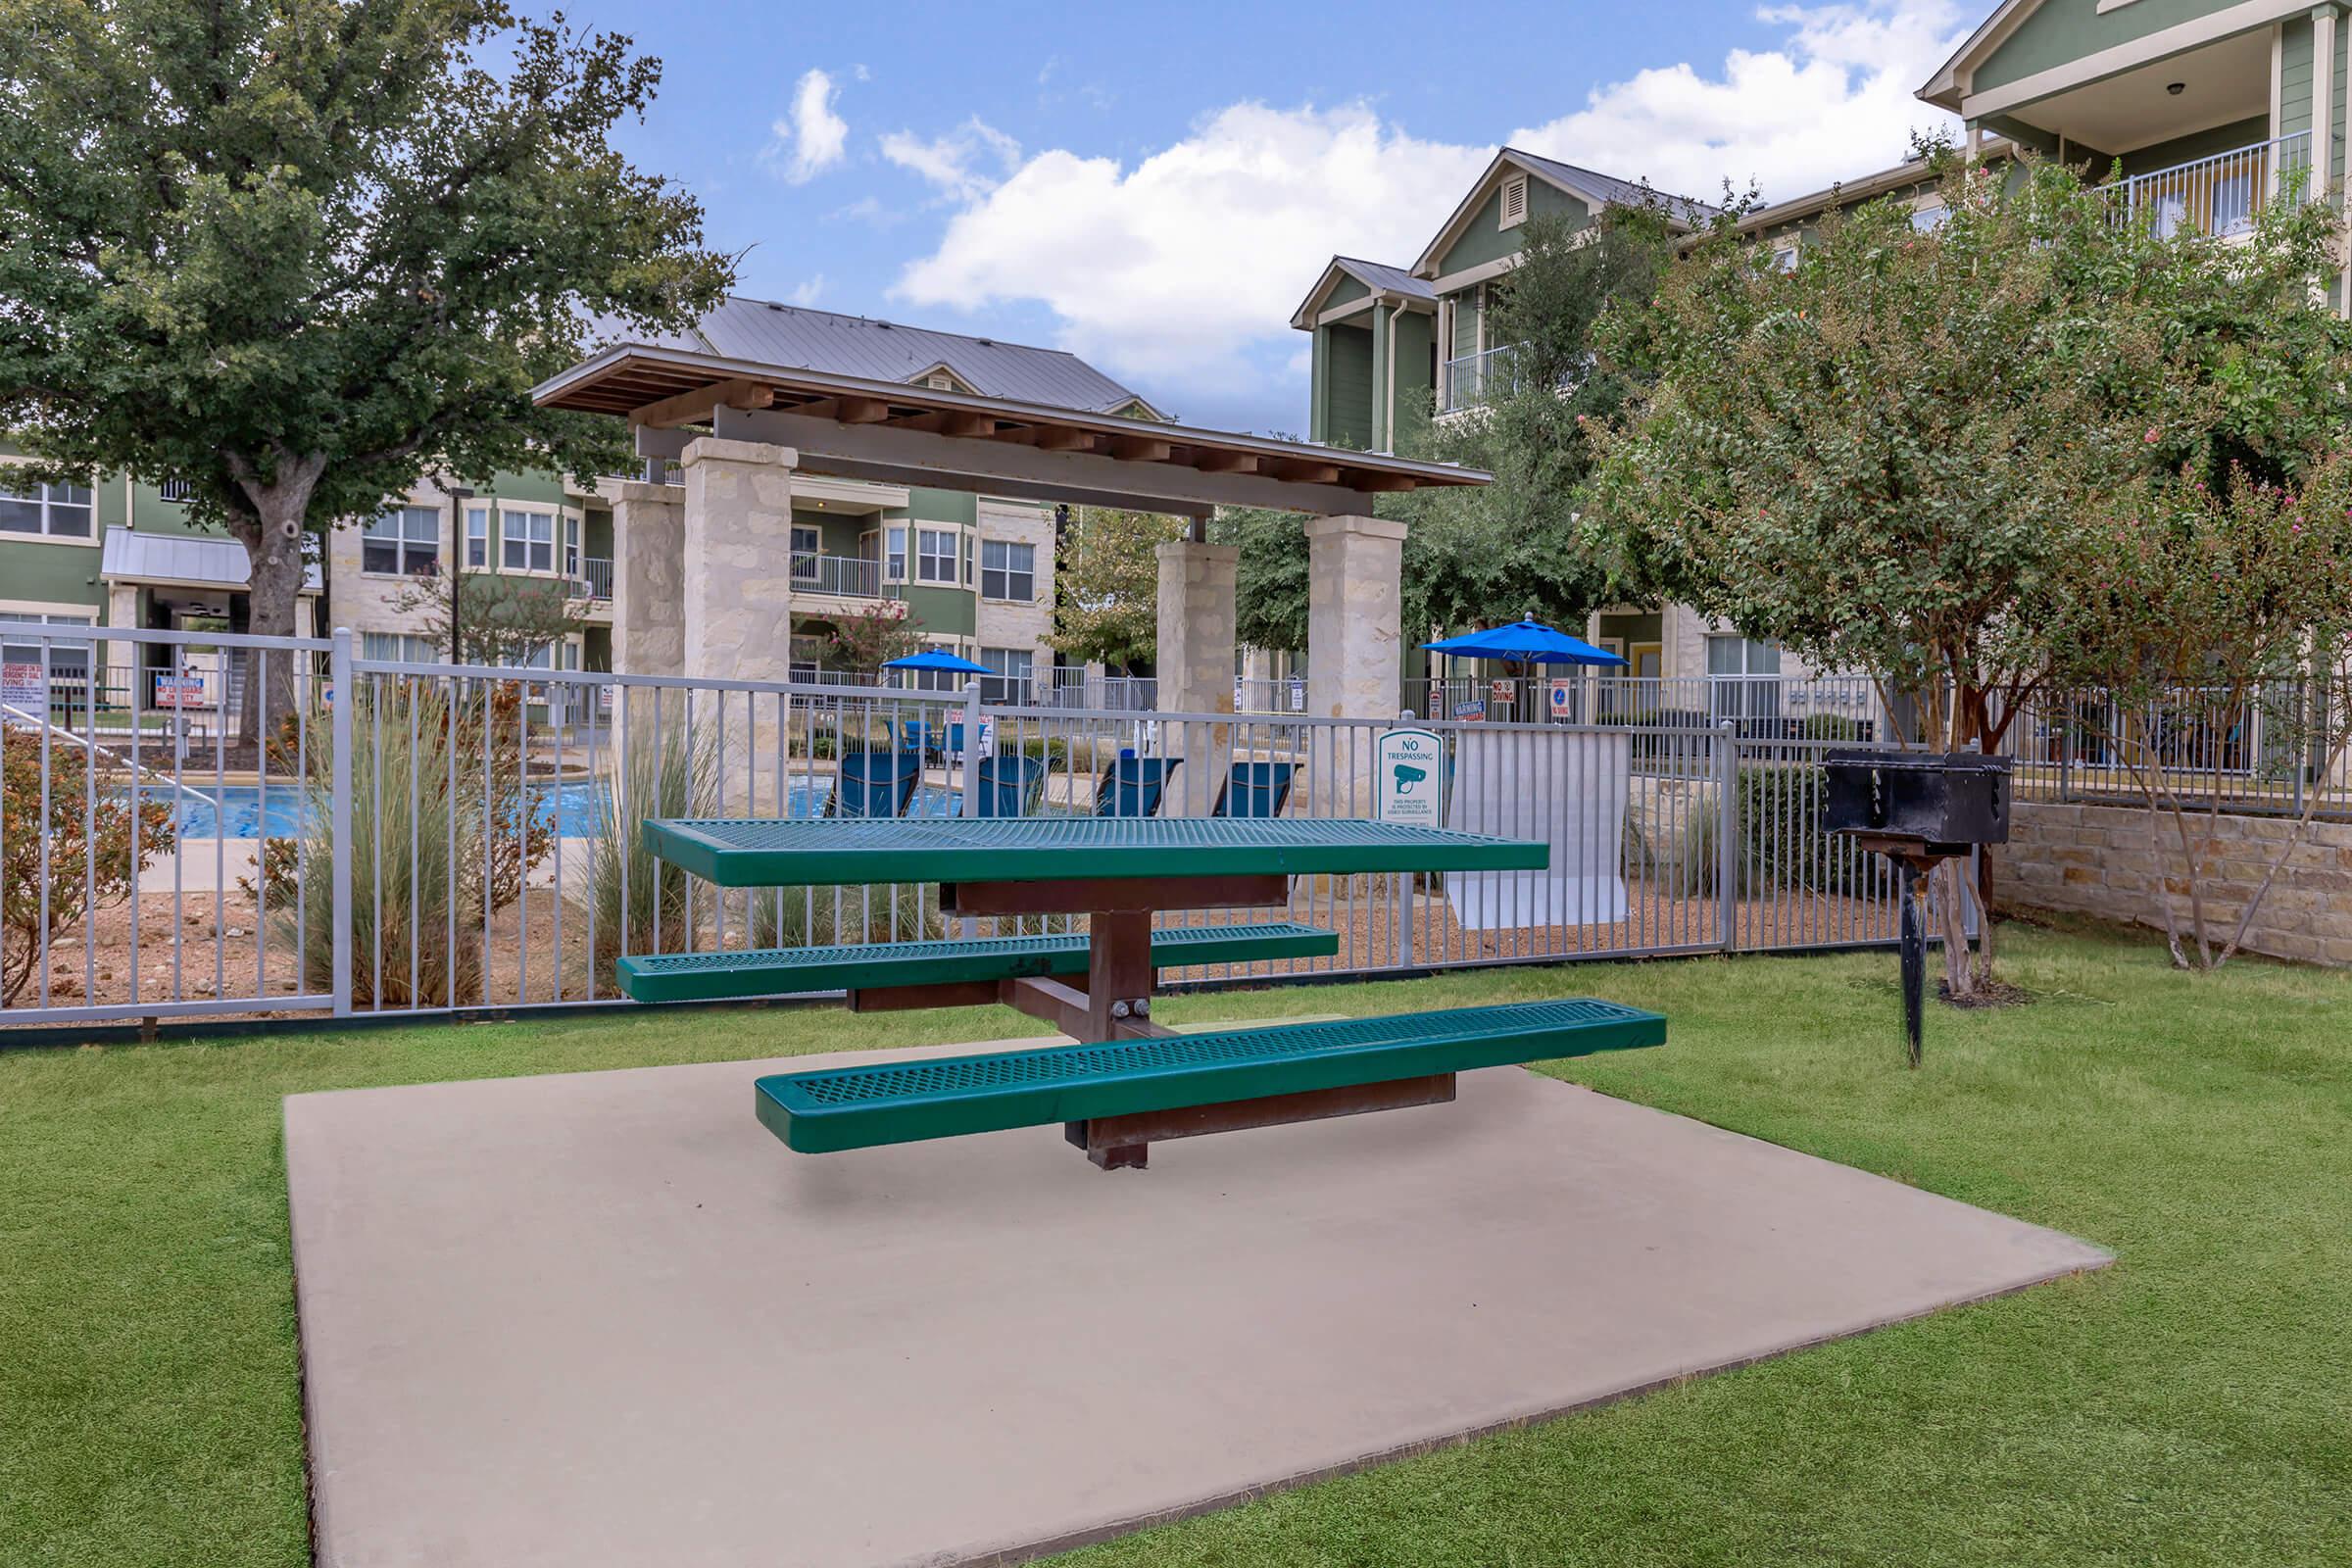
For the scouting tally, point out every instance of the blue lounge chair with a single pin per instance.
(919, 737)
(1133, 785)
(1255, 789)
(876, 784)
(1011, 786)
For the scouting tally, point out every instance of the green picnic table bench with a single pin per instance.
(980, 960)
(1116, 1099)
(1131, 1082)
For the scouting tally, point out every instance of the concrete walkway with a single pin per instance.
(605, 1318)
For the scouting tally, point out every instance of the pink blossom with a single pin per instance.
(2152, 435)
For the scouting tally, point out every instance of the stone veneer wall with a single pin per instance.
(2100, 859)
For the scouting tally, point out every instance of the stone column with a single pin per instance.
(649, 567)
(121, 675)
(737, 601)
(1194, 661)
(1355, 646)
(737, 586)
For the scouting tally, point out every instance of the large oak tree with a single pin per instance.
(294, 253)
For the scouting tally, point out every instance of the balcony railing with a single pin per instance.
(1477, 378)
(2221, 195)
(844, 576)
(595, 575)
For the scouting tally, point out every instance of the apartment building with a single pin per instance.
(975, 574)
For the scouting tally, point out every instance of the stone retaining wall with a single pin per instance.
(2098, 859)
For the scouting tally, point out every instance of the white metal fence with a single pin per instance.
(425, 838)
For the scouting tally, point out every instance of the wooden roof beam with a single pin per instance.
(1212, 462)
(692, 408)
(1305, 471)
(1140, 447)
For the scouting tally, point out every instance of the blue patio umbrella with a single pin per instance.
(1526, 642)
(935, 659)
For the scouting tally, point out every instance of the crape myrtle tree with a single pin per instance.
(1886, 457)
(294, 253)
(493, 617)
(2214, 623)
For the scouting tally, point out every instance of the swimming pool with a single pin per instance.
(242, 811)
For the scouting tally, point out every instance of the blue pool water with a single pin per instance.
(241, 812)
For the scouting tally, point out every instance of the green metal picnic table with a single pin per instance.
(1117, 871)
(1127, 1085)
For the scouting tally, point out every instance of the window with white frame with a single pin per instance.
(526, 540)
(68, 657)
(1783, 258)
(399, 648)
(572, 547)
(46, 511)
(935, 556)
(478, 537)
(406, 542)
(968, 561)
(1928, 217)
(894, 561)
(1007, 570)
(806, 544)
(1007, 680)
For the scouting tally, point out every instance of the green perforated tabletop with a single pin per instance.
(776, 852)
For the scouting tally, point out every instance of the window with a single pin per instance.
(572, 547)
(1930, 217)
(1007, 570)
(407, 542)
(526, 540)
(1514, 201)
(935, 556)
(177, 490)
(806, 545)
(1738, 670)
(56, 511)
(894, 564)
(968, 561)
(477, 536)
(68, 660)
(399, 648)
(1009, 680)
(1784, 259)
(940, 382)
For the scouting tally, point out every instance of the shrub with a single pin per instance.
(88, 849)
(475, 842)
(671, 773)
(1836, 728)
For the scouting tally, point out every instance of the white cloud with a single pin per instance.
(967, 162)
(810, 138)
(804, 292)
(1179, 273)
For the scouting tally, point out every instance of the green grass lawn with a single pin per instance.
(2192, 1404)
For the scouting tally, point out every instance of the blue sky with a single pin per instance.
(1154, 189)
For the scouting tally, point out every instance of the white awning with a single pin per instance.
(187, 559)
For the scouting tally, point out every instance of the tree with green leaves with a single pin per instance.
(883, 630)
(295, 253)
(1107, 586)
(1885, 457)
(2208, 633)
(493, 617)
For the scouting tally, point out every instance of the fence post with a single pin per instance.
(1727, 834)
(342, 695)
(965, 927)
(1403, 905)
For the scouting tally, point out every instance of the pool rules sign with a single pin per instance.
(1409, 784)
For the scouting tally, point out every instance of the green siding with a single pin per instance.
(1347, 388)
(1484, 241)
(944, 506)
(2188, 149)
(1414, 333)
(1465, 321)
(2065, 30)
(1317, 384)
(52, 573)
(943, 612)
(1343, 291)
(2294, 76)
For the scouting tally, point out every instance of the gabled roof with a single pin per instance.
(1595, 189)
(1860, 188)
(1944, 89)
(771, 333)
(1382, 280)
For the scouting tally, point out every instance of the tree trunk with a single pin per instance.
(273, 536)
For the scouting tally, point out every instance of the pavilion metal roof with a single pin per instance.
(892, 431)
(775, 334)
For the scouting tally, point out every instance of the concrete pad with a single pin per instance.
(607, 1318)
